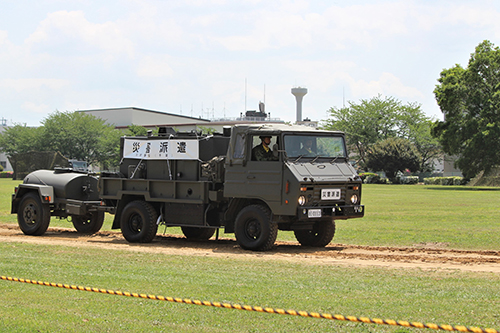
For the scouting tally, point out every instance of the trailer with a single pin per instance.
(64, 193)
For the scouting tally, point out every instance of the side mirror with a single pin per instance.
(275, 150)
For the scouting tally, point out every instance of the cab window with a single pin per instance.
(262, 148)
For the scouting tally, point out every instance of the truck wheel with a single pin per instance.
(196, 233)
(138, 222)
(320, 236)
(254, 230)
(33, 217)
(88, 224)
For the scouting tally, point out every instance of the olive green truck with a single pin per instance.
(202, 183)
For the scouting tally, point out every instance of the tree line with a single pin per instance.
(390, 136)
(75, 135)
(387, 135)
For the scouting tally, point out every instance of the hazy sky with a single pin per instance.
(193, 57)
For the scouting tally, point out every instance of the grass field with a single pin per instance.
(453, 217)
(400, 215)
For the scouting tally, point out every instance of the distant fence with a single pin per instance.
(25, 163)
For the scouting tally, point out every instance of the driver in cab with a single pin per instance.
(307, 148)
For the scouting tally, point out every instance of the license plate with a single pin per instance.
(312, 213)
(330, 194)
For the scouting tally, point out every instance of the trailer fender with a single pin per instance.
(45, 192)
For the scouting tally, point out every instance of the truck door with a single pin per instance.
(247, 177)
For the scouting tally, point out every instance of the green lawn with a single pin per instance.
(412, 215)
(427, 296)
(395, 215)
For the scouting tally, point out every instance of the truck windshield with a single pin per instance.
(299, 146)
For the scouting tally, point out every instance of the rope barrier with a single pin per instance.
(261, 309)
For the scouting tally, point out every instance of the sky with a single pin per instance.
(218, 58)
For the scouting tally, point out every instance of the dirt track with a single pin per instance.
(426, 257)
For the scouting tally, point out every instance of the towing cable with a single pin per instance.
(261, 309)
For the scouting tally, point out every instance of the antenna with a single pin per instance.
(245, 95)
(343, 97)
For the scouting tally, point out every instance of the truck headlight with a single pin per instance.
(302, 200)
(354, 199)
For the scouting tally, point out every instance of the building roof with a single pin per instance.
(144, 110)
(126, 116)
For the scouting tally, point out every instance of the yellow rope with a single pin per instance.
(261, 309)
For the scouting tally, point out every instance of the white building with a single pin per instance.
(121, 118)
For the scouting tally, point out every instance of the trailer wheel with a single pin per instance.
(320, 236)
(197, 233)
(33, 217)
(254, 230)
(88, 224)
(138, 222)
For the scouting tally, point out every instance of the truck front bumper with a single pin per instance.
(333, 212)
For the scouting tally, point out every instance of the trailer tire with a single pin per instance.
(138, 222)
(320, 236)
(88, 224)
(254, 230)
(196, 233)
(33, 217)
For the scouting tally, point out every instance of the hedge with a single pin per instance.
(407, 180)
(444, 181)
(372, 178)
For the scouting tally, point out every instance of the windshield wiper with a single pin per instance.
(333, 161)
(298, 158)
(314, 159)
(336, 158)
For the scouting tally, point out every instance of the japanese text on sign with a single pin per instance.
(168, 149)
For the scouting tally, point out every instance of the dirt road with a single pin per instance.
(429, 256)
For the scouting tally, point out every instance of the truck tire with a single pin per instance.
(254, 230)
(196, 233)
(33, 217)
(320, 236)
(138, 222)
(88, 224)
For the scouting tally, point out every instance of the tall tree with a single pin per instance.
(76, 135)
(376, 119)
(21, 139)
(470, 101)
(81, 136)
(392, 155)
(136, 130)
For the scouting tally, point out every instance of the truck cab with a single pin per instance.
(306, 186)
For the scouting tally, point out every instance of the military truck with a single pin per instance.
(203, 183)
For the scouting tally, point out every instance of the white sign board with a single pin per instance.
(168, 149)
